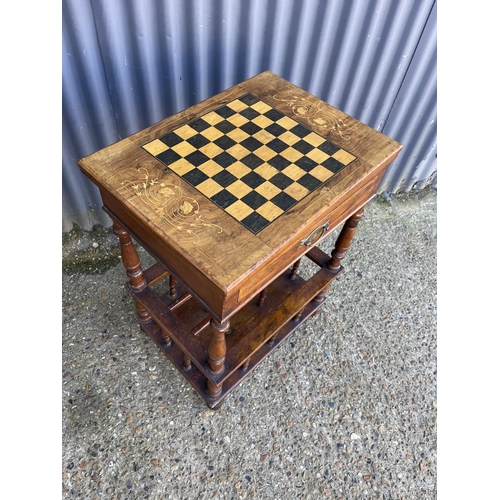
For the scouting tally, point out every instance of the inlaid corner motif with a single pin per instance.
(316, 114)
(171, 204)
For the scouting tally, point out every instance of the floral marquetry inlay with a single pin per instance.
(316, 114)
(170, 204)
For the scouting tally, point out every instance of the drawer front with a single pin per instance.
(300, 244)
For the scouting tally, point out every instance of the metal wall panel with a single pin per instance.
(130, 63)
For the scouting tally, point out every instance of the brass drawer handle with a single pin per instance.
(313, 237)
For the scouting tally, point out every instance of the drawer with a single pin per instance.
(318, 229)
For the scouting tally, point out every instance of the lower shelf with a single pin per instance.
(255, 332)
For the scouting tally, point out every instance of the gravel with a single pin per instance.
(345, 409)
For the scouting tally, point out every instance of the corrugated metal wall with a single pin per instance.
(130, 63)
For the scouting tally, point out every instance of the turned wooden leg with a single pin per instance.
(295, 268)
(216, 354)
(132, 264)
(344, 241)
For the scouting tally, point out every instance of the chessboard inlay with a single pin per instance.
(250, 159)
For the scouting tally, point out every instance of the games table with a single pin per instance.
(227, 197)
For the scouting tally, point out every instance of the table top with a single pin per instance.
(224, 192)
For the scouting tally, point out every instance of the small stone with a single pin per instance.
(138, 429)
(263, 458)
(354, 436)
(237, 485)
(95, 244)
(83, 465)
(367, 477)
(154, 461)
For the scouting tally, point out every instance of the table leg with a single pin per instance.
(132, 264)
(344, 241)
(217, 354)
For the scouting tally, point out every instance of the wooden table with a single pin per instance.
(227, 197)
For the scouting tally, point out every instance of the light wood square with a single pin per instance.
(155, 147)
(265, 153)
(263, 136)
(291, 154)
(289, 138)
(239, 210)
(293, 172)
(287, 122)
(239, 189)
(296, 191)
(321, 173)
(181, 167)
(183, 149)
(261, 107)
(238, 169)
(268, 190)
(269, 211)
(238, 151)
(344, 157)
(211, 133)
(213, 118)
(237, 120)
(314, 139)
(237, 105)
(211, 150)
(209, 187)
(262, 121)
(237, 135)
(266, 171)
(185, 132)
(317, 155)
(210, 168)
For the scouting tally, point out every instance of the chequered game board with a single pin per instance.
(250, 159)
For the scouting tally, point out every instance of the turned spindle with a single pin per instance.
(187, 362)
(172, 284)
(216, 354)
(262, 297)
(344, 241)
(132, 264)
(298, 316)
(270, 342)
(295, 268)
(166, 338)
(321, 295)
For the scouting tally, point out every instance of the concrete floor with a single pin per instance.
(344, 409)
